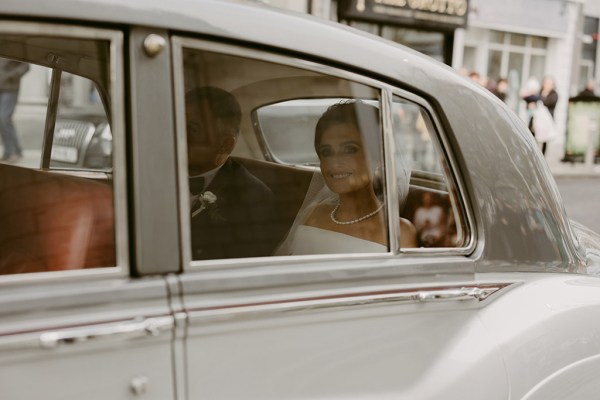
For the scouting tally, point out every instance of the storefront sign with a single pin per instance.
(436, 14)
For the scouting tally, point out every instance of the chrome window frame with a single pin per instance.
(385, 94)
(456, 189)
(119, 175)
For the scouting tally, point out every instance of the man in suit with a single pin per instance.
(230, 206)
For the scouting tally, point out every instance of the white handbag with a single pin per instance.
(543, 124)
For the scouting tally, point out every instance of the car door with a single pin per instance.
(74, 323)
(401, 323)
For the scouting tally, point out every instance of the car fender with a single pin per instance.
(547, 332)
(578, 380)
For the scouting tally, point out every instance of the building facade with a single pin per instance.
(512, 39)
(523, 40)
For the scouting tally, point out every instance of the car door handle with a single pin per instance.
(117, 330)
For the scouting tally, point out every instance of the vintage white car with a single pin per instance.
(128, 283)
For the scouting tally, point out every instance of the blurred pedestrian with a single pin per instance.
(548, 94)
(475, 77)
(11, 73)
(488, 83)
(501, 89)
(549, 97)
(530, 94)
(541, 100)
(588, 90)
(464, 71)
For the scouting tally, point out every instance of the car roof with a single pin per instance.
(243, 21)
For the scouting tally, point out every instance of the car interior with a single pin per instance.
(272, 84)
(64, 219)
(56, 219)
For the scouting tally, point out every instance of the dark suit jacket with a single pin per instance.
(239, 223)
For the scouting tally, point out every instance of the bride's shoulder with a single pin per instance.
(408, 233)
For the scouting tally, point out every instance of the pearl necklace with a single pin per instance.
(354, 221)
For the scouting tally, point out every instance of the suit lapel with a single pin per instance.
(222, 183)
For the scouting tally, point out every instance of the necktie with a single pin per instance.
(196, 189)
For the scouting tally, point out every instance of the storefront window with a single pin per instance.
(515, 62)
(469, 57)
(537, 66)
(539, 42)
(589, 48)
(496, 37)
(517, 39)
(510, 55)
(494, 63)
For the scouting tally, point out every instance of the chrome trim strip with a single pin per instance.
(113, 330)
(456, 183)
(117, 77)
(389, 153)
(177, 44)
(124, 330)
(466, 293)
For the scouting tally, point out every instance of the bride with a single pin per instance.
(347, 215)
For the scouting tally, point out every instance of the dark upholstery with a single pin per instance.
(289, 186)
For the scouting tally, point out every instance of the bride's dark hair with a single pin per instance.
(363, 116)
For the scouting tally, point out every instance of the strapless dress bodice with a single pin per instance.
(311, 240)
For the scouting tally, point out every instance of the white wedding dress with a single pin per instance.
(305, 240)
(311, 240)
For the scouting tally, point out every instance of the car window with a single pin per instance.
(82, 136)
(56, 207)
(285, 130)
(248, 201)
(281, 160)
(430, 203)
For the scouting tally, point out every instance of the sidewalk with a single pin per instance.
(554, 155)
(574, 170)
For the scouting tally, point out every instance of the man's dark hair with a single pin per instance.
(222, 104)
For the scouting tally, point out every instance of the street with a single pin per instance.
(580, 196)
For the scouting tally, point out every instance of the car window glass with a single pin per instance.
(82, 136)
(430, 203)
(285, 129)
(54, 220)
(280, 160)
